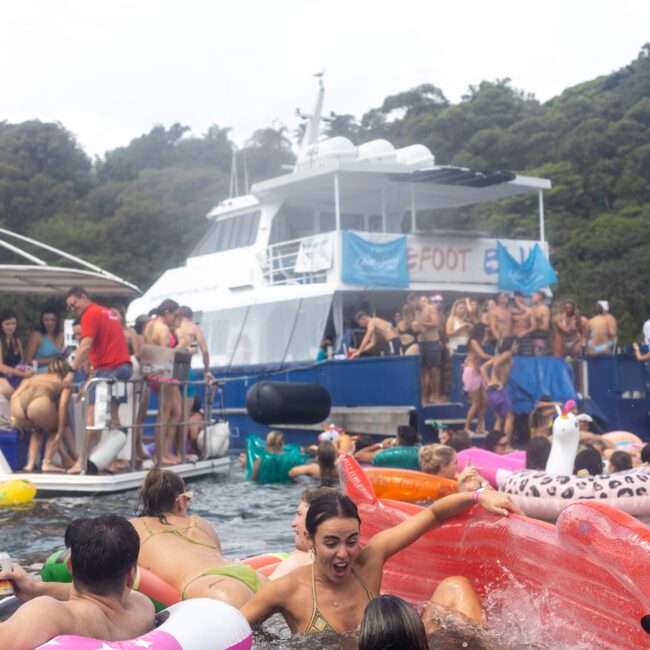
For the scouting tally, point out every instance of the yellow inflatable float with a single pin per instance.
(408, 484)
(16, 492)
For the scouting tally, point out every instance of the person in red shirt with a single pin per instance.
(104, 343)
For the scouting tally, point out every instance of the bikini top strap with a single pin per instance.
(364, 585)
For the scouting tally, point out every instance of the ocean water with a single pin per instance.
(254, 519)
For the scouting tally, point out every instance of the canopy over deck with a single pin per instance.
(40, 277)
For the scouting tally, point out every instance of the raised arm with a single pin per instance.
(388, 542)
(310, 469)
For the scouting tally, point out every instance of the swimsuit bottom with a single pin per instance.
(239, 572)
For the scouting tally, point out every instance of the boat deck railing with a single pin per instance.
(278, 263)
(134, 402)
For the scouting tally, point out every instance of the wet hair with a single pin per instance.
(589, 459)
(360, 314)
(407, 436)
(328, 506)
(309, 496)
(645, 453)
(166, 306)
(537, 452)
(159, 492)
(326, 458)
(621, 461)
(77, 292)
(492, 439)
(140, 323)
(185, 312)
(102, 552)
(59, 366)
(274, 442)
(390, 623)
(433, 458)
(49, 309)
(459, 441)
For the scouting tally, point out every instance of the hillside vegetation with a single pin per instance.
(141, 208)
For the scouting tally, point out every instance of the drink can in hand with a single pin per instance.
(6, 586)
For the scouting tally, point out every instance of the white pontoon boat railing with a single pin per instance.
(138, 385)
(278, 263)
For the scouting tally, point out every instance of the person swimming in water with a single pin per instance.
(184, 550)
(332, 593)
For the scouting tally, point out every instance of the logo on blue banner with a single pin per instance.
(374, 264)
(534, 273)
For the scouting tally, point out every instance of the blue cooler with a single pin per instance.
(14, 447)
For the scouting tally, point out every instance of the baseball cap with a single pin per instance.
(436, 297)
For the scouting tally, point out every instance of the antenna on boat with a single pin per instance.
(234, 185)
(313, 124)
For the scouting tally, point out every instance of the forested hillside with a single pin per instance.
(141, 208)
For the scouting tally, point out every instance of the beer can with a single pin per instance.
(6, 586)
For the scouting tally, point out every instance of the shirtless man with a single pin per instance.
(602, 333)
(498, 398)
(568, 331)
(99, 603)
(521, 316)
(190, 336)
(541, 323)
(428, 322)
(158, 332)
(380, 336)
(301, 555)
(500, 319)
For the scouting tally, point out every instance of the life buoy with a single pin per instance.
(265, 564)
(195, 624)
(544, 496)
(16, 492)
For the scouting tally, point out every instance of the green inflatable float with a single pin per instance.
(274, 468)
(402, 457)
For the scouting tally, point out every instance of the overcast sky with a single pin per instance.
(109, 71)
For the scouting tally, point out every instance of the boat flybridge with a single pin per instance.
(37, 276)
(272, 274)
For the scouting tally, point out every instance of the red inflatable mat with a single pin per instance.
(588, 575)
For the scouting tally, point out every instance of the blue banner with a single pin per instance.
(374, 265)
(534, 273)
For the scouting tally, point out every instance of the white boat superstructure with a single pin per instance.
(268, 276)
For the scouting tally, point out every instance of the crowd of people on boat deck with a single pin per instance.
(38, 380)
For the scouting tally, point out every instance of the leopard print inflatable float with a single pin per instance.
(544, 495)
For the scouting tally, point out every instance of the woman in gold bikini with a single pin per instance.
(185, 550)
(332, 593)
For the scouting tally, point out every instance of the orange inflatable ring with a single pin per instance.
(266, 564)
(408, 484)
(149, 584)
(623, 438)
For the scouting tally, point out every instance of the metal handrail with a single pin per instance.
(138, 385)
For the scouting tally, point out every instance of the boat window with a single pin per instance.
(226, 234)
(374, 223)
(291, 223)
(349, 221)
(290, 330)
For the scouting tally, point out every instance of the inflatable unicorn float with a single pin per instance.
(545, 494)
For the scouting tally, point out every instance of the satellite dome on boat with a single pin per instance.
(320, 153)
(416, 155)
(377, 151)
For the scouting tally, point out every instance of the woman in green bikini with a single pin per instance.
(332, 593)
(185, 550)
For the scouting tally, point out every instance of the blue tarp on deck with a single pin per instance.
(532, 377)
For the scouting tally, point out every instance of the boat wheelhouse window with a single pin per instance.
(291, 223)
(226, 234)
(349, 221)
(374, 223)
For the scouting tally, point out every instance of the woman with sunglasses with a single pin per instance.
(184, 550)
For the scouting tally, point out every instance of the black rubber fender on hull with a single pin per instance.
(276, 402)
